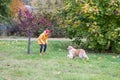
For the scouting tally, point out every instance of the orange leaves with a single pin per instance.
(14, 6)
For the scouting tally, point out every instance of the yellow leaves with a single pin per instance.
(93, 28)
(77, 22)
(108, 44)
(112, 57)
(7, 78)
(118, 56)
(67, 6)
(118, 11)
(3, 43)
(101, 35)
(115, 57)
(118, 29)
(59, 72)
(74, 24)
(95, 9)
(87, 24)
(85, 8)
(111, 35)
(68, 21)
(118, 71)
(34, 3)
(76, 0)
(14, 6)
(113, 2)
(99, 58)
(92, 17)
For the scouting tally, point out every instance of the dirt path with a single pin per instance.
(23, 38)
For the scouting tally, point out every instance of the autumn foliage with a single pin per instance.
(97, 21)
(15, 6)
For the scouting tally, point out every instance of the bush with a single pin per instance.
(116, 44)
(14, 30)
(94, 20)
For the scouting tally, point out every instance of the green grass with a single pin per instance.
(16, 64)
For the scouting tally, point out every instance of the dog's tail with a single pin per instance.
(85, 56)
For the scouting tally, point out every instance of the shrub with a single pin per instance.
(94, 20)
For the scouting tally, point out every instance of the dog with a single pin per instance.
(76, 52)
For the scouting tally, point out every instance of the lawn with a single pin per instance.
(16, 64)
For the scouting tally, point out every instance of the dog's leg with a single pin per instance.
(85, 56)
(80, 55)
(70, 55)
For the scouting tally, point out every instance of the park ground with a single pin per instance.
(16, 64)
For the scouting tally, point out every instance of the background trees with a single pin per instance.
(48, 9)
(15, 6)
(95, 20)
(29, 23)
(4, 10)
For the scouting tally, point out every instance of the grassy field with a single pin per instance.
(16, 64)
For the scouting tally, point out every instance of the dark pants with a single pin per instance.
(43, 47)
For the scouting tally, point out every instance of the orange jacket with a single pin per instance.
(42, 39)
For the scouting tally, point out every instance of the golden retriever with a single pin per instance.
(76, 52)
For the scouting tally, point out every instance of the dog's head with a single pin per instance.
(69, 48)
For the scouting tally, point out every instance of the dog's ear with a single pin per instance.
(70, 47)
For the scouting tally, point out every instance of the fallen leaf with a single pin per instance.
(59, 72)
(113, 57)
(119, 71)
(99, 58)
(117, 56)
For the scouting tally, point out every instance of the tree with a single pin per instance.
(47, 5)
(95, 20)
(4, 10)
(15, 6)
(29, 23)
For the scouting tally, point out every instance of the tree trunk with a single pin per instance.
(29, 44)
(29, 38)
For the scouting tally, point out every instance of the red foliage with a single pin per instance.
(29, 22)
